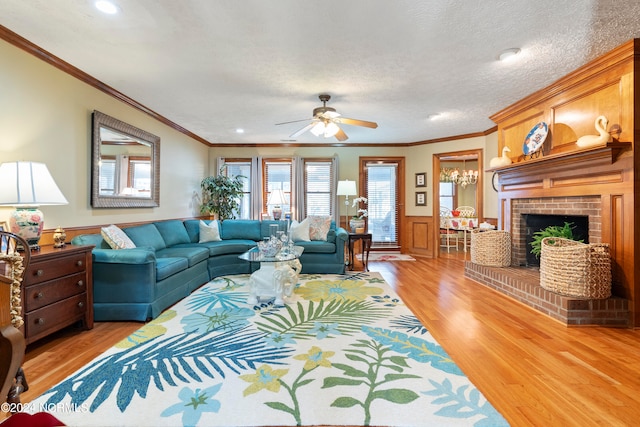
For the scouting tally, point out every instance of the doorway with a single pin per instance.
(453, 195)
(382, 183)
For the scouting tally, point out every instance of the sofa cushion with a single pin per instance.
(241, 229)
(146, 235)
(224, 247)
(91, 239)
(116, 238)
(318, 246)
(319, 226)
(173, 232)
(192, 253)
(166, 267)
(193, 229)
(209, 232)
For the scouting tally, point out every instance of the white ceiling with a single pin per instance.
(215, 66)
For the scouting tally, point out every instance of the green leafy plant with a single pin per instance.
(221, 194)
(565, 232)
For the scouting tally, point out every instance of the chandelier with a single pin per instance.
(462, 179)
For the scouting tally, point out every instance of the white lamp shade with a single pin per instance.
(276, 197)
(28, 184)
(346, 188)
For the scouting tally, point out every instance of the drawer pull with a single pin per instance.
(39, 272)
(79, 263)
(40, 321)
(80, 282)
(80, 304)
(39, 295)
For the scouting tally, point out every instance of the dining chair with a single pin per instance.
(447, 234)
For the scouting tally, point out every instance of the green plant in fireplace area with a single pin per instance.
(565, 232)
(221, 194)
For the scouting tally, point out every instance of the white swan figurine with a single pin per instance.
(591, 140)
(501, 161)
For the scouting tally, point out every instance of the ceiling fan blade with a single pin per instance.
(341, 136)
(355, 122)
(293, 121)
(303, 130)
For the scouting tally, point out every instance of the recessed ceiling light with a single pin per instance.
(508, 54)
(434, 116)
(106, 6)
(239, 130)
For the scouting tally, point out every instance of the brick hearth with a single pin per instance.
(523, 285)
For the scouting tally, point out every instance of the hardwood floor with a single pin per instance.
(534, 370)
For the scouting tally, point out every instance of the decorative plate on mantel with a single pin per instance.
(535, 138)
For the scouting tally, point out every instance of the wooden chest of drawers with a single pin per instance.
(57, 290)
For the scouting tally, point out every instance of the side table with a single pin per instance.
(57, 290)
(365, 238)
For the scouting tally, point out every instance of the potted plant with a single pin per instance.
(221, 194)
(565, 232)
(358, 220)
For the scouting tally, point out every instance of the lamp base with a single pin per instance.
(277, 213)
(27, 222)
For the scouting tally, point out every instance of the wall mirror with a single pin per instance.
(125, 165)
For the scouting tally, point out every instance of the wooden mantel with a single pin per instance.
(606, 86)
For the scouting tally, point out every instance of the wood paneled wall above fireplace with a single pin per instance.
(564, 171)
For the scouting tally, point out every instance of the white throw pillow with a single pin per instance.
(209, 232)
(116, 238)
(299, 231)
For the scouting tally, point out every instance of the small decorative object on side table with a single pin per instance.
(59, 236)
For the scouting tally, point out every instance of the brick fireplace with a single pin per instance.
(556, 186)
(522, 283)
(589, 206)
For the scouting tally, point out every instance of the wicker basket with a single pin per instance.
(492, 248)
(575, 269)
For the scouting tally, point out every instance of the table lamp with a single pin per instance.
(26, 186)
(346, 188)
(276, 198)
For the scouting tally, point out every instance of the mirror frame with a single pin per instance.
(101, 201)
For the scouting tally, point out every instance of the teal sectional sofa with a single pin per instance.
(168, 263)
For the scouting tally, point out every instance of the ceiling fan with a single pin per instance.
(325, 122)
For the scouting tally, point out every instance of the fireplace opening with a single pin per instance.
(538, 222)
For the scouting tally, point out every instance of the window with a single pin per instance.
(447, 195)
(242, 167)
(277, 176)
(318, 184)
(140, 175)
(107, 176)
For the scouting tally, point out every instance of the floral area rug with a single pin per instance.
(345, 350)
(387, 256)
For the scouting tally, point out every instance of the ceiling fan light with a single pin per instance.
(330, 130)
(318, 129)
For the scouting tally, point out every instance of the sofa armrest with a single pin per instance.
(124, 256)
(341, 234)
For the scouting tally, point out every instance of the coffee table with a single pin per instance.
(276, 277)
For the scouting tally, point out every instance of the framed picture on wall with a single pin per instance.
(421, 179)
(421, 198)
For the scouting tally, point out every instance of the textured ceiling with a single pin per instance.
(215, 66)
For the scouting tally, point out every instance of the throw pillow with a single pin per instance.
(209, 232)
(319, 227)
(299, 231)
(116, 238)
